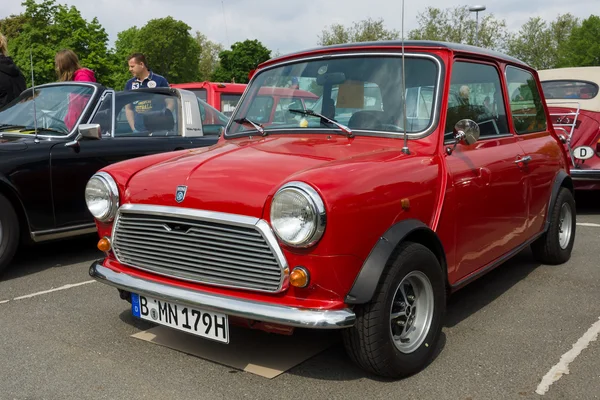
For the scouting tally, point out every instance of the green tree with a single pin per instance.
(12, 26)
(170, 49)
(209, 57)
(540, 44)
(367, 30)
(583, 46)
(236, 63)
(457, 25)
(48, 28)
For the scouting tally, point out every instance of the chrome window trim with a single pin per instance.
(415, 135)
(112, 107)
(211, 216)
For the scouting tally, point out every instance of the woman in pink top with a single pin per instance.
(68, 69)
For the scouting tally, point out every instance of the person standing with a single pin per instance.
(143, 77)
(68, 69)
(12, 81)
(66, 64)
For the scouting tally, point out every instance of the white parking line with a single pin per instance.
(28, 296)
(588, 224)
(562, 367)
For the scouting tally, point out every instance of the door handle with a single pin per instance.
(523, 160)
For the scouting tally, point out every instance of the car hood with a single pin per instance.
(14, 143)
(237, 176)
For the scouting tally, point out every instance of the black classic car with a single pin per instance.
(52, 141)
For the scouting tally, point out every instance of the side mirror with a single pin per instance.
(467, 131)
(90, 131)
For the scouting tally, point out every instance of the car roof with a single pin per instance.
(423, 44)
(589, 74)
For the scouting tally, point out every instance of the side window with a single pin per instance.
(526, 104)
(476, 94)
(104, 116)
(229, 102)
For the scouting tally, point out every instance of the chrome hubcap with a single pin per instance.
(411, 312)
(565, 225)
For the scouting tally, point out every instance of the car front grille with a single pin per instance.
(200, 246)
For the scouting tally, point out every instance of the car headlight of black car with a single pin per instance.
(102, 196)
(298, 215)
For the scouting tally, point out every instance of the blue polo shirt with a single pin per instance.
(140, 107)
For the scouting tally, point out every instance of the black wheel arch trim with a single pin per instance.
(366, 282)
(560, 178)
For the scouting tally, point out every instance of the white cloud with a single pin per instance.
(287, 26)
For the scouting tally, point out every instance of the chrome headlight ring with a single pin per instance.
(102, 196)
(298, 215)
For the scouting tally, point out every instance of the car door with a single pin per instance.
(543, 152)
(489, 186)
(73, 166)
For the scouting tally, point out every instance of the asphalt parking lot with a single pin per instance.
(66, 337)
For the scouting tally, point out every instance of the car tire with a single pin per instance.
(378, 342)
(9, 232)
(556, 244)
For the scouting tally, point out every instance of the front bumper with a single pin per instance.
(273, 313)
(585, 174)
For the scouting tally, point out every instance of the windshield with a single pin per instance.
(362, 93)
(57, 110)
(569, 90)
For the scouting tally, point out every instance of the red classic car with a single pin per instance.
(363, 226)
(574, 104)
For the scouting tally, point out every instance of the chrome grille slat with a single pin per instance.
(222, 236)
(247, 267)
(194, 245)
(190, 267)
(232, 247)
(259, 258)
(152, 222)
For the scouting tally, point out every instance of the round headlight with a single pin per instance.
(102, 196)
(298, 215)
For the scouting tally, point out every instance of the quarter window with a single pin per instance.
(526, 104)
(476, 94)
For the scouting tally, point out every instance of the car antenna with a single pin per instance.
(33, 93)
(405, 147)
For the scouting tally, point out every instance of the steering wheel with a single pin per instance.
(391, 127)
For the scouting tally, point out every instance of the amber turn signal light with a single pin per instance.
(104, 244)
(299, 277)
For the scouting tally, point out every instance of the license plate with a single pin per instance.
(198, 322)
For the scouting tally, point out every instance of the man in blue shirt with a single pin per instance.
(143, 77)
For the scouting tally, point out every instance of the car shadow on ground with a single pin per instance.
(34, 258)
(588, 203)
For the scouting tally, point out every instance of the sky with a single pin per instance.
(289, 26)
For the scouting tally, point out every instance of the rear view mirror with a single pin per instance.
(332, 78)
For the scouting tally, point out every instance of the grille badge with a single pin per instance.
(180, 193)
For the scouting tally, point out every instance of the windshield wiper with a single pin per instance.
(256, 126)
(331, 121)
(11, 126)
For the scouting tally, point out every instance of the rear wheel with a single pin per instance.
(556, 244)
(9, 232)
(395, 335)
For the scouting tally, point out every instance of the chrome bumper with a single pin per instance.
(284, 315)
(585, 174)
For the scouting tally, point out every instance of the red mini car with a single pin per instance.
(364, 226)
(574, 104)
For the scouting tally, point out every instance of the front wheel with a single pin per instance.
(556, 244)
(9, 232)
(396, 334)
